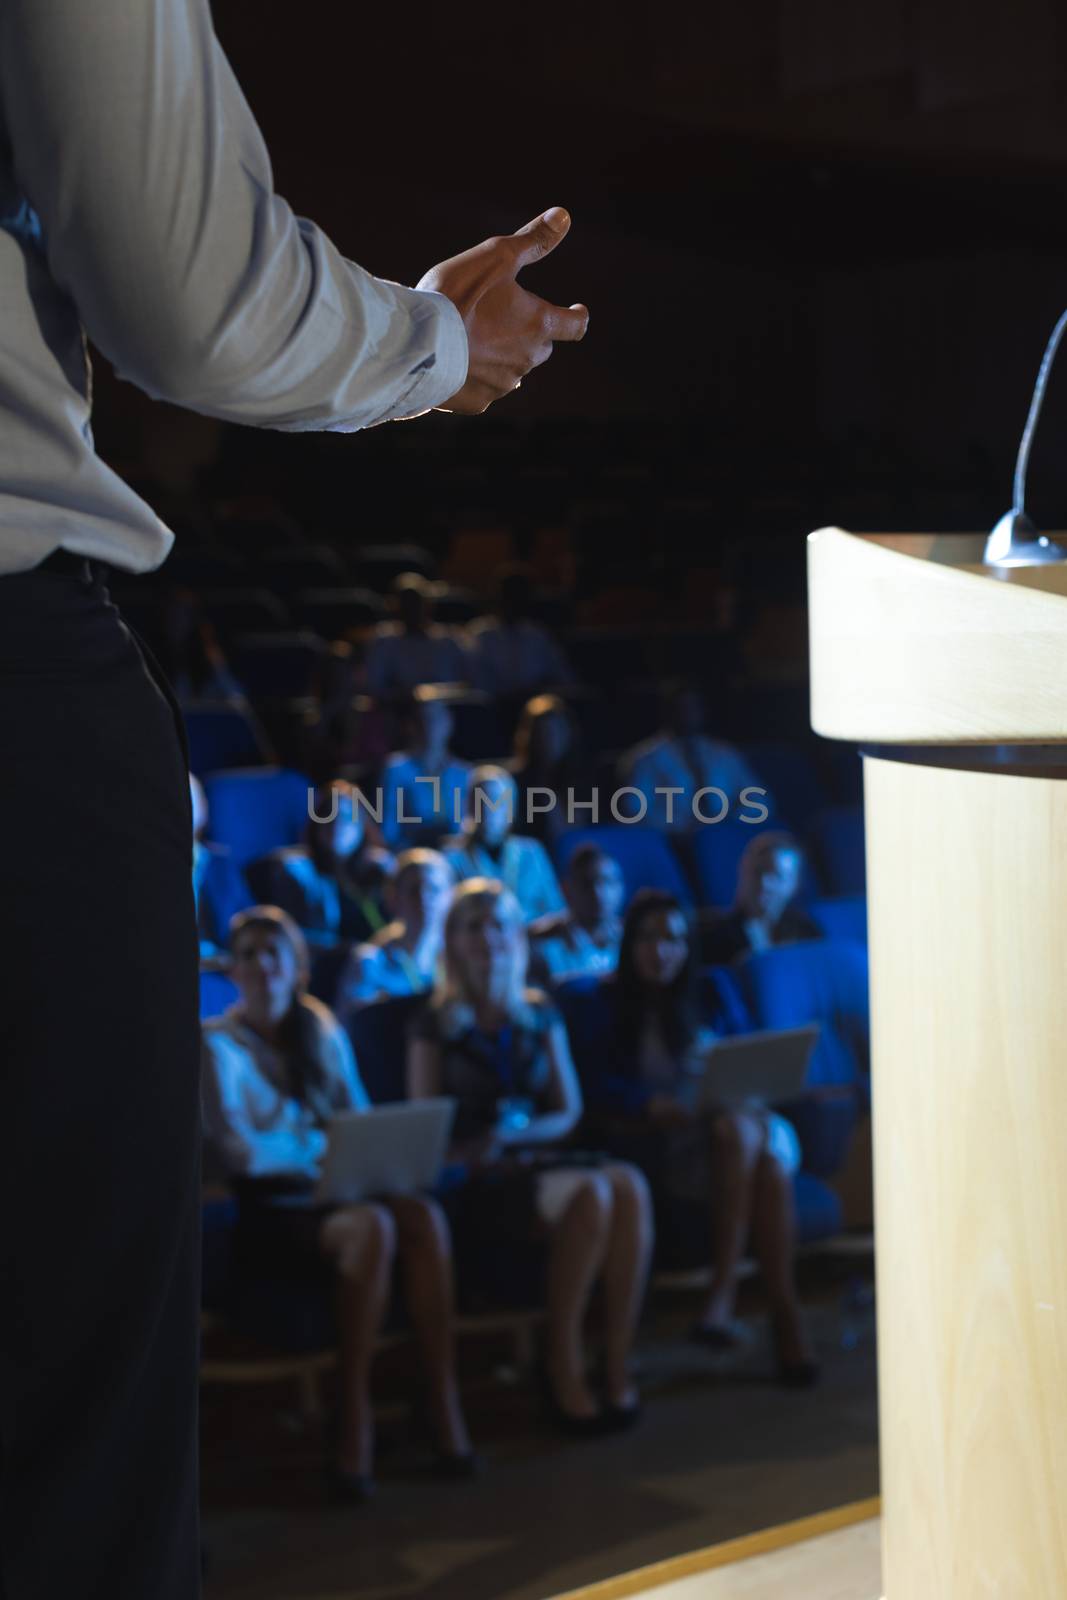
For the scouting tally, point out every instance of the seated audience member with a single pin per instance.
(546, 759)
(423, 785)
(277, 1067)
(219, 887)
(512, 654)
(414, 649)
(501, 1050)
(730, 1170)
(489, 849)
(345, 731)
(404, 956)
(584, 938)
(333, 884)
(191, 654)
(682, 757)
(763, 912)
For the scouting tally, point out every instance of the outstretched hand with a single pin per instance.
(509, 332)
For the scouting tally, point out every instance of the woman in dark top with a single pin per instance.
(546, 758)
(737, 1163)
(763, 913)
(501, 1049)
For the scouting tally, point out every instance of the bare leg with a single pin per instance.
(425, 1247)
(774, 1240)
(626, 1264)
(737, 1144)
(362, 1242)
(579, 1242)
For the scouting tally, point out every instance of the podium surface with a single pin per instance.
(955, 682)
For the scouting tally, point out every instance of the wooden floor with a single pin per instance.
(833, 1557)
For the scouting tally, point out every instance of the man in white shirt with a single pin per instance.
(414, 649)
(686, 779)
(488, 848)
(137, 207)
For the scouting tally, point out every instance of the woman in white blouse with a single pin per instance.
(277, 1066)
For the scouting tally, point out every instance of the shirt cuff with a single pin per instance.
(447, 372)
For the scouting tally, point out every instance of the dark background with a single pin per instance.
(822, 243)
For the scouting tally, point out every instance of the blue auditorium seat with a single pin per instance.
(836, 838)
(217, 993)
(256, 810)
(378, 1034)
(223, 892)
(222, 733)
(842, 917)
(716, 854)
(646, 859)
(823, 981)
(789, 771)
(277, 665)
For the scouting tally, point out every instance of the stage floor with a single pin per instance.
(834, 1557)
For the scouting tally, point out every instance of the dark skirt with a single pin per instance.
(676, 1162)
(499, 1239)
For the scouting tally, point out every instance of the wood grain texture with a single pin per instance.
(906, 649)
(967, 886)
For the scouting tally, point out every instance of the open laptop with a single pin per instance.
(769, 1067)
(390, 1149)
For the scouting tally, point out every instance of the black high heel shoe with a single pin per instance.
(349, 1488)
(794, 1374)
(453, 1466)
(620, 1419)
(458, 1467)
(566, 1422)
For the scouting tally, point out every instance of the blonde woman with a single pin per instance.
(277, 1066)
(501, 1050)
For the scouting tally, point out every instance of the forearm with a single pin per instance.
(137, 150)
(550, 1128)
(263, 1155)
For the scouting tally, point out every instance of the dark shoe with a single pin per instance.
(803, 1374)
(573, 1427)
(719, 1335)
(565, 1421)
(458, 1468)
(620, 1419)
(799, 1374)
(350, 1488)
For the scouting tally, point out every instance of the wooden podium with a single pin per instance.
(954, 683)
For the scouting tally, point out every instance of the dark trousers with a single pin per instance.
(99, 1119)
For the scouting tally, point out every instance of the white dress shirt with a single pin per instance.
(397, 660)
(411, 802)
(137, 206)
(513, 658)
(523, 866)
(663, 763)
(253, 1126)
(564, 949)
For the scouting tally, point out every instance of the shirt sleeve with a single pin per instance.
(349, 1093)
(145, 166)
(290, 1145)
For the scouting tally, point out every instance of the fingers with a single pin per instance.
(539, 237)
(568, 324)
